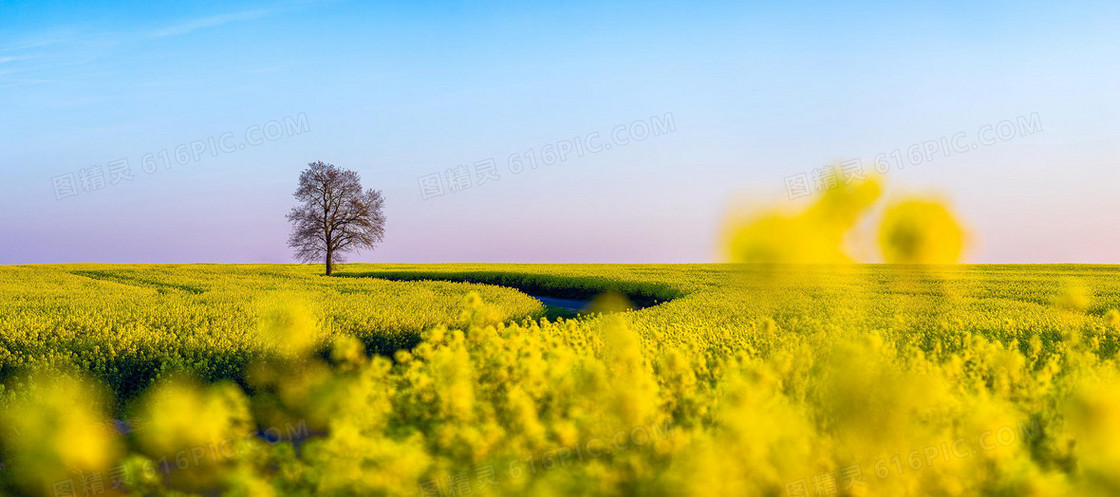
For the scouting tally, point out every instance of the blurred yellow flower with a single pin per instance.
(921, 232)
(1073, 295)
(180, 414)
(814, 236)
(287, 325)
(58, 428)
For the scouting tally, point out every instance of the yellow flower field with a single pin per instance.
(737, 380)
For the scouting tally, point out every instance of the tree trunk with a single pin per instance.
(329, 268)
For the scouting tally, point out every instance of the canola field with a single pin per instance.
(450, 380)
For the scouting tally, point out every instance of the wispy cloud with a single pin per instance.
(26, 46)
(58, 55)
(11, 83)
(207, 22)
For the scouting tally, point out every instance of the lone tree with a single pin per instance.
(334, 216)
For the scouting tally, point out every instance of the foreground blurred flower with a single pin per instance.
(921, 232)
(1073, 296)
(288, 326)
(1094, 422)
(191, 431)
(180, 414)
(609, 302)
(58, 429)
(815, 236)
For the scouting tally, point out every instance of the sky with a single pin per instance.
(549, 132)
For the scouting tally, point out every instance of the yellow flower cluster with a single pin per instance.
(127, 325)
(823, 381)
(911, 230)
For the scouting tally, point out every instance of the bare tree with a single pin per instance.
(334, 216)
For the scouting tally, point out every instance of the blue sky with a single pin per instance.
(756, 93)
